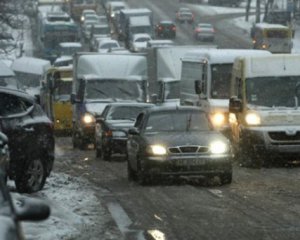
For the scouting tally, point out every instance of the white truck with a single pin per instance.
(164, 70)
(205, 81)
(264, 109)
(99, 79)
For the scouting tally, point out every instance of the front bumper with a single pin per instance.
(187, 165)
(115, 145)
(273, 140)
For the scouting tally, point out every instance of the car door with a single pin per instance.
(134, 140)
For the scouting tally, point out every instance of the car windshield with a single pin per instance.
(273, 91)
(177, 121)
(221, 76)
(142, 39)
(109, 45)
(124, 112)
(114, 89)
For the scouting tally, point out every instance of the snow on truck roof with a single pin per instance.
(140, 21)
(273, 65)
(136, 10)
(112, 66)
(30, 65)
(215, 56)
(270, 25)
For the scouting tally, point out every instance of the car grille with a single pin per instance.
(188, 149)
(282, 136)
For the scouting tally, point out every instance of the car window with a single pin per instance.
(10, 105)
(124, 112)
(177, 121)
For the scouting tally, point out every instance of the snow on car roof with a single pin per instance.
(5, 70)
(30, 65)
(70, 44)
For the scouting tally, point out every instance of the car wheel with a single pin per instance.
(226, 178)
(98, 151)
(142, 177)
(105, 154)
(32, 177)
(82, 144)
(74, 140)
(131, 174)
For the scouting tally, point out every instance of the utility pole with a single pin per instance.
(257, 19)
(247, 10)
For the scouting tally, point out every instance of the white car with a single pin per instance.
(85, 13)
(105, 45)
(139, 42)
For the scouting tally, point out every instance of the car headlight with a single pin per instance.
(82, 19)
(157, 150)
(88, 118)
(252, 118)
(218, 119)
(218, 147)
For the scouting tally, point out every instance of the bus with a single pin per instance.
(275, 38)
(77, 6)
(55, 98)
(54, 27)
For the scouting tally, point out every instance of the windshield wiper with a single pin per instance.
(124, 91)
(100, 91)
(188, 125)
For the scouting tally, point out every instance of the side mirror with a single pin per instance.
(198, 86)
(37, 99)
(133, 131)
(30, 209)
(235, 105)
(154, 98)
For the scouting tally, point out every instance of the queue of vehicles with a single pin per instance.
(74, 96)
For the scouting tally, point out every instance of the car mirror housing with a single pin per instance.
(235, 105)
(30, 209)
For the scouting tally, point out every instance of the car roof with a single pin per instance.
(174, 108)
(166, 22)
(129, 104)
(204, 25)
(17, 92)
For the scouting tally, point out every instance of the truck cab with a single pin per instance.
(264, 108)
(205, 81)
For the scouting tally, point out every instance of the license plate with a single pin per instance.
(189, 162)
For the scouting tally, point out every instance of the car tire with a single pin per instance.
(142, 177)
(98, 152)
(105, 154)
(131, 174)
(32, 177)
(226, 178)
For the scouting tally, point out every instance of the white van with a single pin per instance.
(29, 71)
(264, 108)
(205, 81)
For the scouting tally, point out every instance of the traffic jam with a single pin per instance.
(138, 119)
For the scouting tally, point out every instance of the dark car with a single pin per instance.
(30, 139)
(165, 29)
(177, 142)
(4, 154)
(111, 127)
(184, 15)
(13, 212)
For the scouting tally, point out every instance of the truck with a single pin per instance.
(205, 80)
(164, 70)
(99, 79)
(123, 25)
(264, 109)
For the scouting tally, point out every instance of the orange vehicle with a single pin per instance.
(77, 6)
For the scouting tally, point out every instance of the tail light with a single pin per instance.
(160, 28)
(108, 133)
(197, 30)
(174, 28)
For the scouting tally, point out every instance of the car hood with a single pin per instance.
(202, 138)
(140, 44)
(120, 124)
